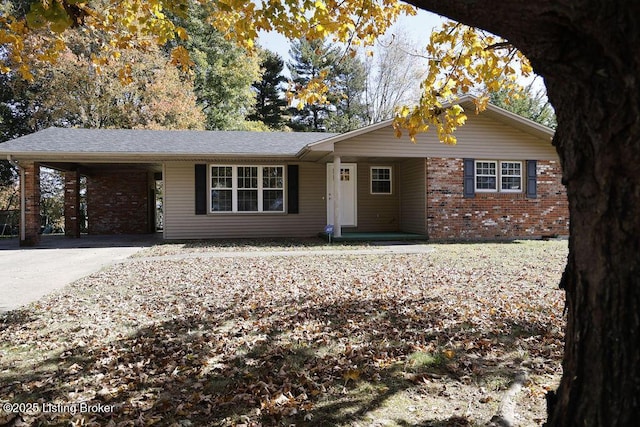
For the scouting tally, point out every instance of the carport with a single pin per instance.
(120, 197)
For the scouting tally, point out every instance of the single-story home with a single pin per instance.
(501, 180)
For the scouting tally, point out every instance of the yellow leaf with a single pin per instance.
(182, 33)
(351, 374)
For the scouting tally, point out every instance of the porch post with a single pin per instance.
(337, 223)
(72, 204)
(29, 203)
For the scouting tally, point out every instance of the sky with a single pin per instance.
(419, 26)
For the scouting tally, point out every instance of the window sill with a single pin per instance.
(246, 213)
(496, 195)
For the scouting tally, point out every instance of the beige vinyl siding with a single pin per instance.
(413, 202)
(377, 212)
(181, 222)
(482, 137)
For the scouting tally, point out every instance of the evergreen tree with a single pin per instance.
(270, 105)
(346, 94)
(344, 77)
(223, 72)
(311, 59)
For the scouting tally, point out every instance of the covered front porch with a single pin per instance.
(376, 198)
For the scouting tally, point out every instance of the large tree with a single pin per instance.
(588, 52)
(394, 73)
(223, 72)
(312, 60)
(347, 95)
(270, 104)
(337, 107)
(148, 93)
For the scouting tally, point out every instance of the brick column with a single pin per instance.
(30, 203)
(72, 204)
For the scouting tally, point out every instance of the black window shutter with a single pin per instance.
(201, 189)
(292, 189)
(469, 184)
(532, 179)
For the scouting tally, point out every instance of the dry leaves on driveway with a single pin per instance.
(376, 339)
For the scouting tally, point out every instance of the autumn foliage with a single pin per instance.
(461, 58)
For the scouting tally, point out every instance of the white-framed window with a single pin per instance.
(273, 189)
(381, 180)
(511, 177)
(498, 176)
(246, 188)
(486, 175)
(221, 188)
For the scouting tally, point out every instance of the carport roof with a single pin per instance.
(160, 142)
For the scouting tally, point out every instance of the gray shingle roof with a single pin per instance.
(164, 142)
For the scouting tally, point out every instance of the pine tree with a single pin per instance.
(270, 104)
(346, 94)
(344, 78)
(310, 60)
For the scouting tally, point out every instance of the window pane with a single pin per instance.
(485, 168)
(272, 177)
(248, 200)
(221, 177)
(486, 175)
(511, 168)
(485, 182)
(380, 174)
(511, 183)
(381, 187)
(381, 180)
(272, 201)
(221, 200)
(248, 177)
(511, 178)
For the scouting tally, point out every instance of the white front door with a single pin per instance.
(348, 194)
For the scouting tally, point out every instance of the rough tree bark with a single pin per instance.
(588, 52)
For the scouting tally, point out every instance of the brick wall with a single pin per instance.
(72, 204)
(117, 202)
(493, 215)
(32, 220)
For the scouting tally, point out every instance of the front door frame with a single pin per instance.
(354, 200)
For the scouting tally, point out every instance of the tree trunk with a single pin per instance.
(588, 52)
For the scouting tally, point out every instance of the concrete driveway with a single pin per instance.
(27, 274)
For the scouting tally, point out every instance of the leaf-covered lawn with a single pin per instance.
(377, 339)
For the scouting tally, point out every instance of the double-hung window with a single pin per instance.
(498, 176)
(221, 188)
(247, 188)
(381, 180)
(272, 189)
(511, 176)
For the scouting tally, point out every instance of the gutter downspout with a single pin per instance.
(23, 202)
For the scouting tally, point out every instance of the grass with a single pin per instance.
(431, 338)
